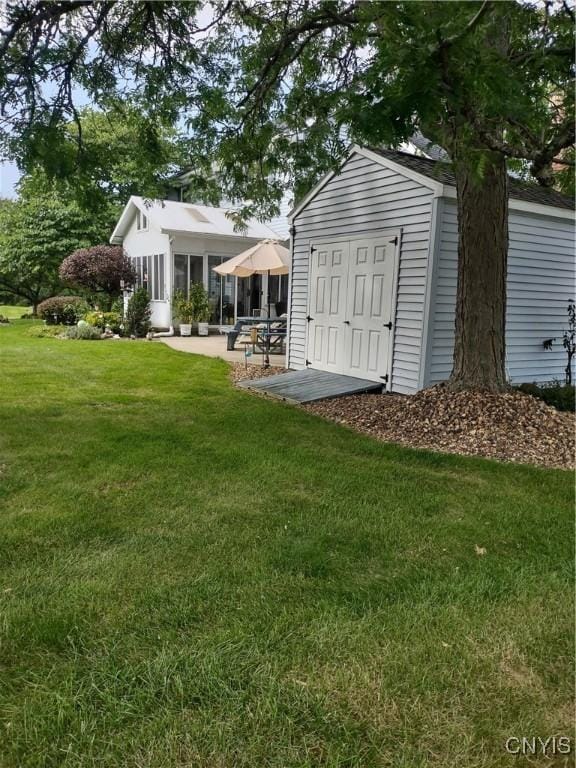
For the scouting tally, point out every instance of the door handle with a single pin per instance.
(346, 322)
(388, 325)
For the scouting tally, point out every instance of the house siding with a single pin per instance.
(541, 280)
(279, 224)
(146, 243)
(364, 199)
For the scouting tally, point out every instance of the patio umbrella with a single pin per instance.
(266, 257)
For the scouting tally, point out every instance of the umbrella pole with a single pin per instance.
(267, 358)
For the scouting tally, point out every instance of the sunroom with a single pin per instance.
(174, 244)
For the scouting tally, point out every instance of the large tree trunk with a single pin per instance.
(480, 345)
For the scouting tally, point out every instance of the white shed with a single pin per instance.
(374, 268)
(173, 244)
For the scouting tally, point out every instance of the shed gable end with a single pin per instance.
(366, 198)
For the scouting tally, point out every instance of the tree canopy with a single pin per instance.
(112, 154)
(275, 91)
(35, 236)
(71, 196)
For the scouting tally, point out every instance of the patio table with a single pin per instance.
(267, 334)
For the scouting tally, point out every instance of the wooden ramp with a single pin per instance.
(309, 385)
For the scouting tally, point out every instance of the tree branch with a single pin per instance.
(474, 21)
(314, 25)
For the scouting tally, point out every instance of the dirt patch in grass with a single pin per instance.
(509, 427)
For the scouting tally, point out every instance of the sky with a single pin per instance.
(9, 175)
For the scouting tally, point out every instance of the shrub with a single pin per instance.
(102, 269)
(200, 303)
(62, 310)
(137, 321)
(47, 331)
(84, 331)
(102, 319)
(559, 396)
(183, 307)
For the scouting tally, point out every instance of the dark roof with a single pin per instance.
(441, 172)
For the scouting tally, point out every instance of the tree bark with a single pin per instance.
(480, 344)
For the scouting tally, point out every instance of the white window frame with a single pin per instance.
(141, 221)
(149, 266)
(205, 274)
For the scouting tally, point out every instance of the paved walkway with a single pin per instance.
(215, 346)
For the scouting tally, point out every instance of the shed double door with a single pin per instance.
(350, 306)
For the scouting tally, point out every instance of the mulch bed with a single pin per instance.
(239, 372)
(509, 427)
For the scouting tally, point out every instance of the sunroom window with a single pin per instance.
(150, 275)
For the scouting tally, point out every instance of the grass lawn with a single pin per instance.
(13, 312)
(194, 576)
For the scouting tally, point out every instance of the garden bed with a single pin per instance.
(508, 427)
(240, 372)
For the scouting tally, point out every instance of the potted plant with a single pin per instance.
(184, 311)
(201, 307)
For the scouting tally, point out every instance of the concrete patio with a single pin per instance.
(215, 346)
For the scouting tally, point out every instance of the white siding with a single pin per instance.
(541, 275)
(366, 198)
(280, 224)
(147, 243)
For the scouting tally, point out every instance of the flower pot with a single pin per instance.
(202, 329)
(185, 329)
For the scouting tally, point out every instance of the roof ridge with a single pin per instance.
(532, 191)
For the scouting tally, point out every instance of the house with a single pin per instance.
(374, 269)
(179, 188)
(173, 244)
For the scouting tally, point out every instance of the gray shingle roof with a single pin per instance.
(441, 172)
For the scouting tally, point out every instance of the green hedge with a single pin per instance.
(560, 396)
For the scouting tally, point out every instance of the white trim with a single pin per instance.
(289, 299)
(123, 221)
(394, 309)
(431, 272)
(314, 191)
(139, 216)
(551, 211)
(355, 150)
(211, 235)
(308, 299)
(358, 150)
